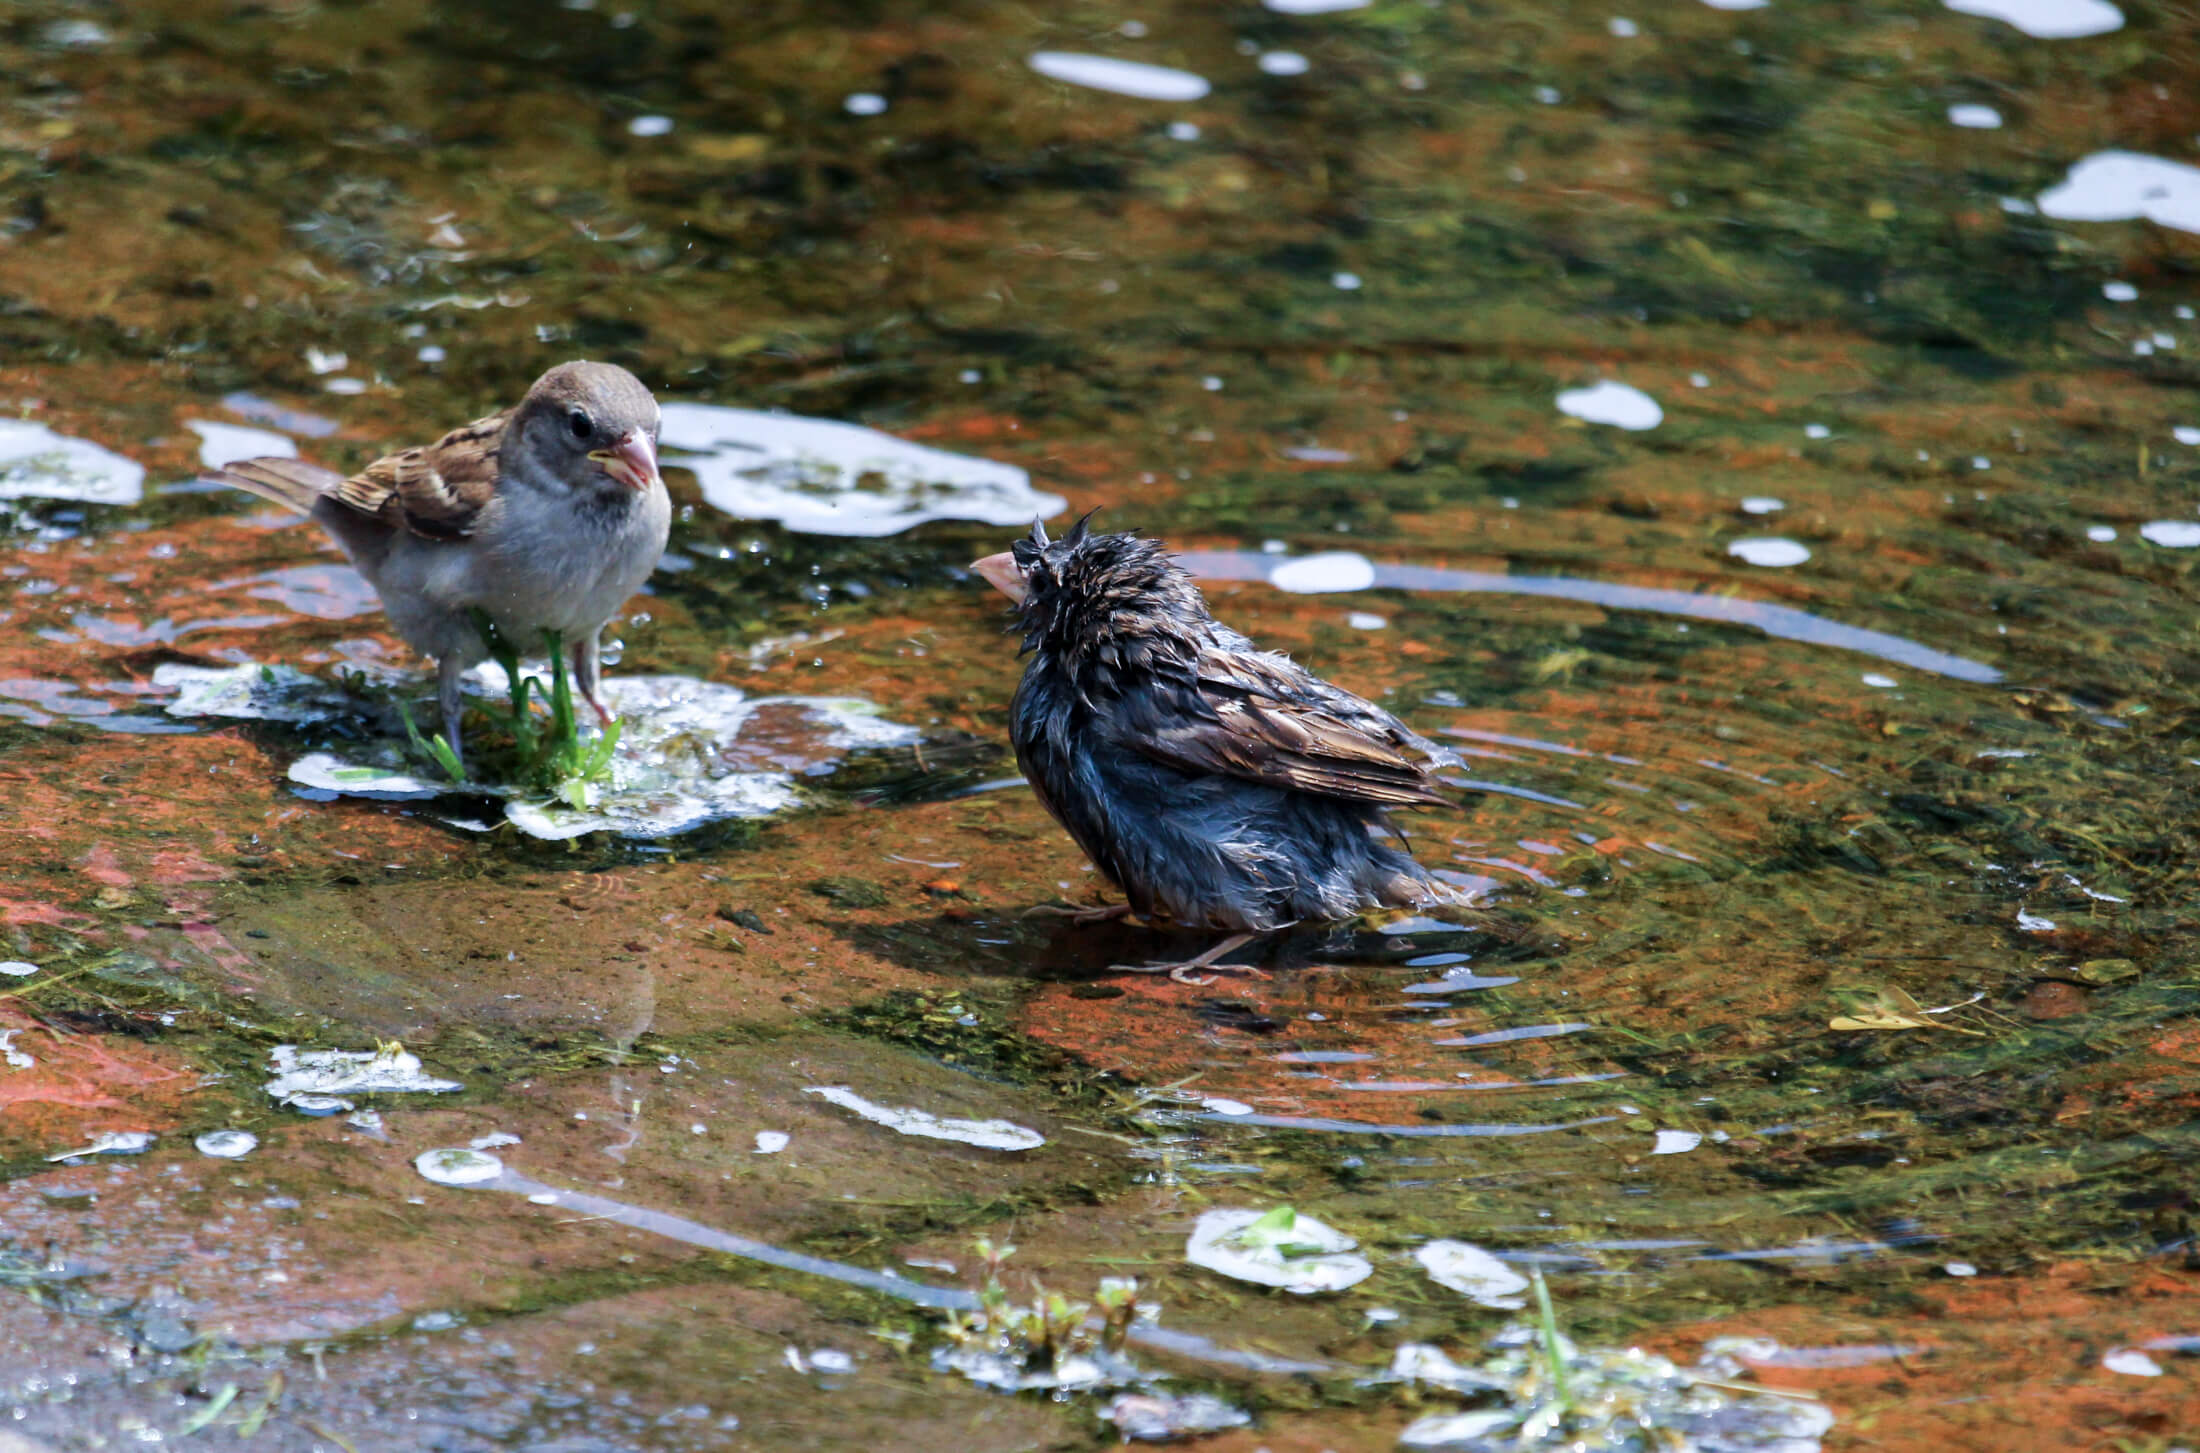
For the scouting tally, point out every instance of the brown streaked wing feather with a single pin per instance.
(433, 490)
(1257, 732)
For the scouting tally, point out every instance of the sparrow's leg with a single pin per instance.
(447, 674)
(588, 674)
(1182, 972)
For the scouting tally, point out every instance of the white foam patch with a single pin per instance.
(1676, 1142)
(2131, 1362)
(333, 774)
(1334, 570)
(1303, 1256)
(115, 1142)
(823, 477)
(1772, 551)
(2122, 186)
(1282, 63)
(1974, 117)
(1161, 1417)
(221, 444)
(1312, 7)
(2185, 434)
(250, 693)
(1610, 402)
(678, 764)
(2048, 19)
(1763, 504)
(37, 463)
(458, 1166)
(1737, 4)
(227, 1144)
(2171, 534)
(675, 737)
(1123, 78)
(390, 1069)
(986, 1134)
(1473, 1273)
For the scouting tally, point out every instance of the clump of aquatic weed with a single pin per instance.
(543, 756)
(1062, 1347)
(1551, 1394)
(1050, 1342)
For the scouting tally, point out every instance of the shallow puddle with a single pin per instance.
(1758, 441)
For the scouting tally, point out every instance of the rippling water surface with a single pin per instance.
(1760, 439)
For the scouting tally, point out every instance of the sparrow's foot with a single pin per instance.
(1183, 973)
(587, 654)
(449, 672)
(1078, 915)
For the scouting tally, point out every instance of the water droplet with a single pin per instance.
(2171, 534)
(1771, 551)
(1613, 403)
(1123, 78)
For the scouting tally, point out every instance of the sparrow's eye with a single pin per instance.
(579, 422)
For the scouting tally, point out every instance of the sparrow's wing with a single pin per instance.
(1258, 716)
(437, 490)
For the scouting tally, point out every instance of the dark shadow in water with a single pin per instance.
(1048, 947)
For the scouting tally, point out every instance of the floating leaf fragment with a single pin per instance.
(2105, 971)
(1891, 1008)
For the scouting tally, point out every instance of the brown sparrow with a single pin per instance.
(1219, 785)
(546, 516)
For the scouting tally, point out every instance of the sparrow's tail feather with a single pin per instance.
(292, 483)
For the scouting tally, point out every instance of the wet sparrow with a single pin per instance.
(1217, 784)
(547, 516)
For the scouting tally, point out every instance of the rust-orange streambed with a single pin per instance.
(1777, 484)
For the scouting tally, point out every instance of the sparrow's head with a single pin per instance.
(588, 425)
(1090, 592)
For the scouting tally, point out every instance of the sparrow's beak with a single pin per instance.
(1001, 572)
(632, 461)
